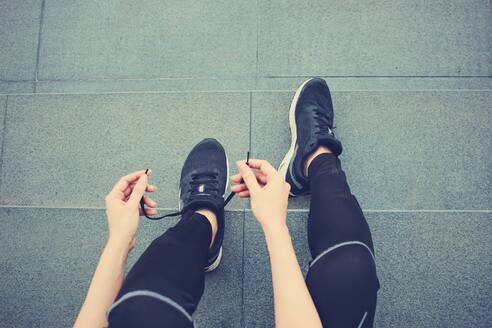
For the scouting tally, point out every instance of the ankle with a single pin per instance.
(212, 218)
(320, 150)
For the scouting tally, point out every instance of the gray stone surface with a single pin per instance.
(379, 83)
(247, 84)
(69, 150)
(148, 39)
(403, 150)
(376, 38)
(434, 268)
(47, 267)
(3, 108)
(155, 85)
(16, 87)
(19, 26)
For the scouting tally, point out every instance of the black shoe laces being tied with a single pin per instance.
(197, 180)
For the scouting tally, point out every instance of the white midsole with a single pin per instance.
(216, 263)
(284, 165)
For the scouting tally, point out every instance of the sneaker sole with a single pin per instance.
(284, 165)
(216, 263)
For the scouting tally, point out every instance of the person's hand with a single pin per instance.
(122, 207)
(267, 189)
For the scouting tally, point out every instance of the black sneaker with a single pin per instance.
(311, 125)
(204, 179)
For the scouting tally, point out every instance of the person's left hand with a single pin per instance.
(122, 207)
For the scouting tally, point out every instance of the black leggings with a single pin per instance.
(165, 285)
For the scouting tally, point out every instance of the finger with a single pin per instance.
(126, 180)
(128, 191)
(260, 176)
(148, 211)
(236, 178)
(239, 188)
(248, 177)
(138, 190)
(244, 194)
(262, 165)
(149, 202)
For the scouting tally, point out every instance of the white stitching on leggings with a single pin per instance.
(341, 245)
(152, 295)
(362, 321)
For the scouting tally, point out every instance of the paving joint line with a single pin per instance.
(174, 209)
(246, 209)
(233, 91)
(2, 149)
(38, 51)
(242, 319)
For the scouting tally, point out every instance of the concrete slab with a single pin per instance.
(19, 23)
(156, 85)
(69, 150)
(3, 108)
(374, 38)
(403, 150)
(379, 83)
(16, 87)
(47, 267)
(433, 268)
(261, 84)
(148, 39)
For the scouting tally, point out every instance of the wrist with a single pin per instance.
(271, 230)
(119, 243)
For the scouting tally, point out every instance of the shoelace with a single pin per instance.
(197, 181)
(322, 123)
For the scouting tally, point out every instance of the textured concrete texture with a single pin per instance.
(434, 268)
(376, 38)
(3, 108)
(248, 84)
(47, 268)
(19, 30)
(16, 87)
(140, 85)
(70, 149)
(148, 39)
(403, 150)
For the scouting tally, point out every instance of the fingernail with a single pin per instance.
(147, 170)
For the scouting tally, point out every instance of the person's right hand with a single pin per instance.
(267, 189)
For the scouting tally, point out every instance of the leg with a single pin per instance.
(167, 282)
(342, 277)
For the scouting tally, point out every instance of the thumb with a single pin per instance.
(139, 189)
(248, 177)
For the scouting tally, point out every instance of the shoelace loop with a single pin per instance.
(155, 218)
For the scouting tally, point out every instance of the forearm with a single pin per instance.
(105, 285)
(294, 306)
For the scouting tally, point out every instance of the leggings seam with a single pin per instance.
(153, 295)
(362, 321)
(347, 243)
